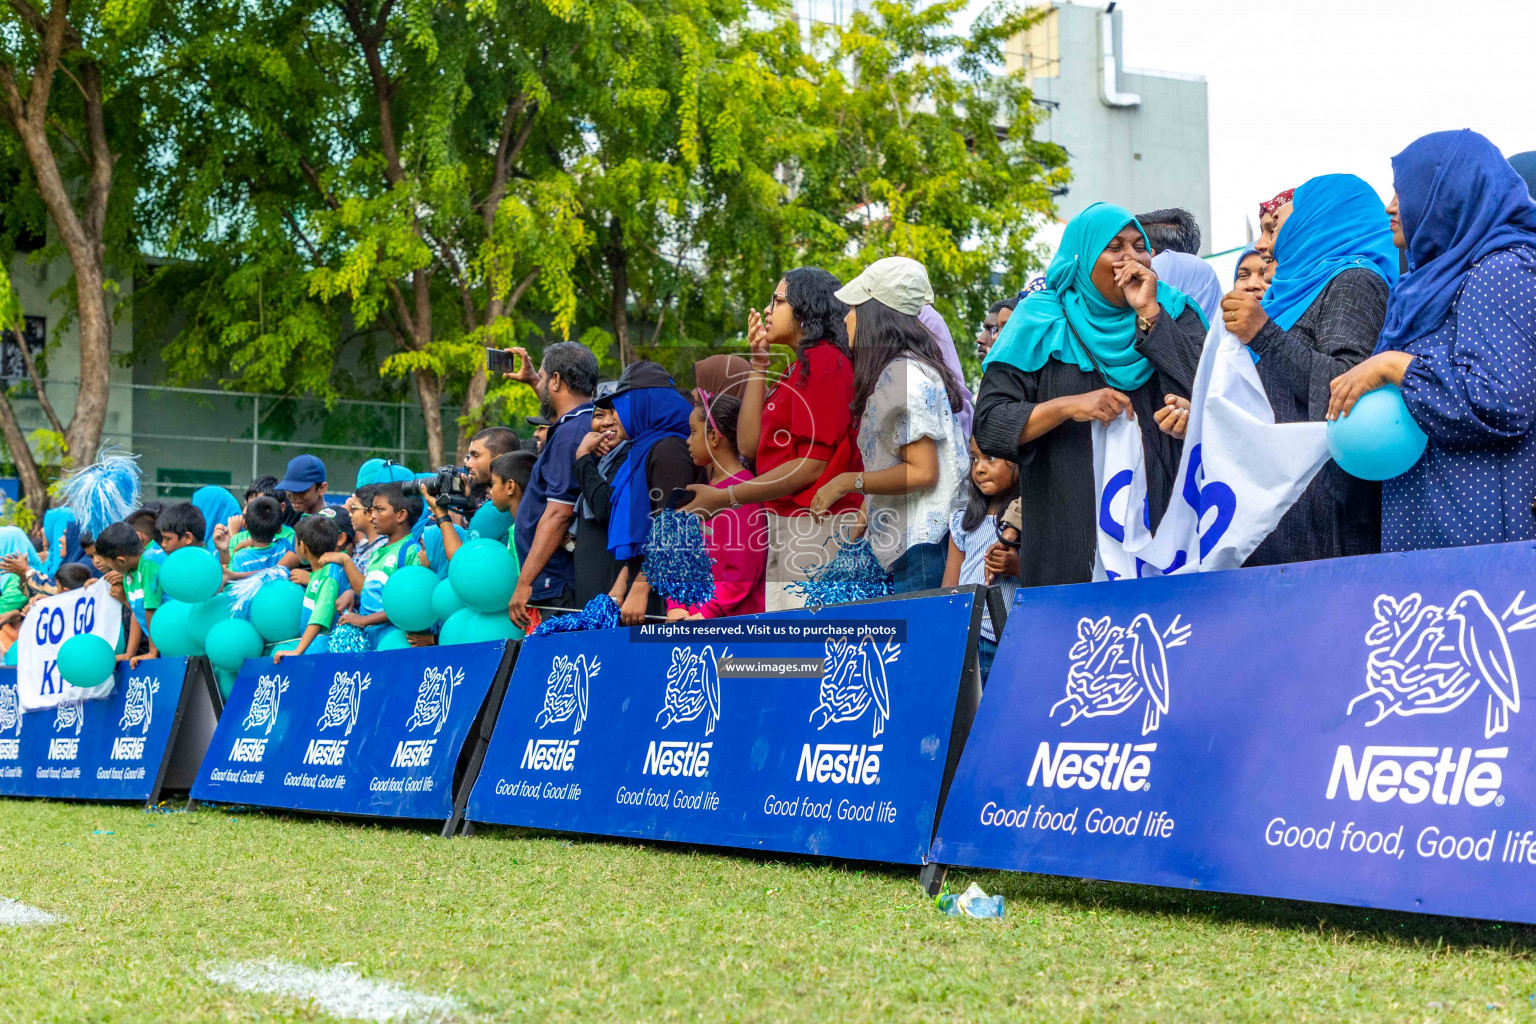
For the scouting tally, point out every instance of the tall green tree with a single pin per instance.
(364, 165)
(72, 142)
(636, 173)
(930, 152)
(788, 145)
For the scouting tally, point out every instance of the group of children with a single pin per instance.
(342, 557)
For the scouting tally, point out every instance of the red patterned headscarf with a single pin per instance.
(1277, 202)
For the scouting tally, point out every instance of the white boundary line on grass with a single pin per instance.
(335, 990)
(15, 914)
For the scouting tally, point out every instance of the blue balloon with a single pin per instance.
(1379, 439)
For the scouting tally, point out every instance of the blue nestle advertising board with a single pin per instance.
(109, 749)
(646, 732)
(1349, 731)
(374, 734)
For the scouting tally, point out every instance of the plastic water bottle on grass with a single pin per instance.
(974, 902)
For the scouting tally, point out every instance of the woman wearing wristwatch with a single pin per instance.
(801, 434)
(907, 402)
(1103, 338)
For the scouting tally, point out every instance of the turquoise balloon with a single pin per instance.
(171, 630)
(1379, 439)
(226, 682)
(482, 576)
(191, 574)
(86, 660)
(492, 626)
(277, 610)
(231, 642)
(394, 640)
(445, 601)
(471, 627)
(202, 617)
(11, 653)
(408, 598)
(454, 627)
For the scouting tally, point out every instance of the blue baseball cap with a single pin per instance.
(304, 472)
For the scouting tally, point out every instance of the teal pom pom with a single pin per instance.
(854, 574)
(677, 565)
(349, 640)
(600, 613)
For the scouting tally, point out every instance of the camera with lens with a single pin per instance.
(448, 486)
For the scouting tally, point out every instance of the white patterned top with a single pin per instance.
(909, 403)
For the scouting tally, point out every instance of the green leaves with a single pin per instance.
(453, 174)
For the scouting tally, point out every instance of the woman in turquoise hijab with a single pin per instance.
(1103, 337)
(1336, 264)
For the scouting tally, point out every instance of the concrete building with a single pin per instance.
(1137, 138)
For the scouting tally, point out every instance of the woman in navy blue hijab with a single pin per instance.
(653, 417)
(1321, 315)
(1460, 341)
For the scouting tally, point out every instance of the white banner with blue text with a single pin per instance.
(1239, 473)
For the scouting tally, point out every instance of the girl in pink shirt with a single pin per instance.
(737, 538)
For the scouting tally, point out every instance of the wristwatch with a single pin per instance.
(1143, 323)
(730, 492)
(858, 482)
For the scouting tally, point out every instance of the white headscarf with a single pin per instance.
(1192, 276)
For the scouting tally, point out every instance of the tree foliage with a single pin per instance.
(444, 176)
(71, 142)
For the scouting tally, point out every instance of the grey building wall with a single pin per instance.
(1148, 156)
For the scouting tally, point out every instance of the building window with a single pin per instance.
(1036, 51)
(12, 368)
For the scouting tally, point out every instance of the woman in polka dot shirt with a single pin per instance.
(1460, 341)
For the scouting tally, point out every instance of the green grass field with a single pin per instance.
(532, 926)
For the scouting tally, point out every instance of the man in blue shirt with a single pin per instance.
(565, 381)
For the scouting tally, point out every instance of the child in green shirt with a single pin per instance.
(135, 581)
(393, 514)
(180, 526)
(317, 537)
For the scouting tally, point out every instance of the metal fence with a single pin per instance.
(189, 437)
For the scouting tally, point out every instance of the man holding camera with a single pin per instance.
(485, 520)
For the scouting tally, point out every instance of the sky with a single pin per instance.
(1304, 87)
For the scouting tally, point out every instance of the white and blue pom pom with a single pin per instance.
(853, 574)
(242, 591)
(677, 564)
(105, 492)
